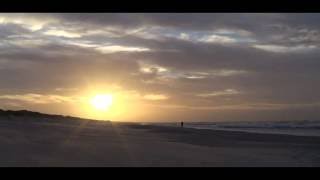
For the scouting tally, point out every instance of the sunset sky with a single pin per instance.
(162, 67)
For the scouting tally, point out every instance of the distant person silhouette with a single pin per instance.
(181, 123)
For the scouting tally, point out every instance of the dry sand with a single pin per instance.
(93, 143)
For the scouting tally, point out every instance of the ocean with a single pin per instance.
(298, 128)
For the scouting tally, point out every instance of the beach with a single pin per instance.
(89, 143)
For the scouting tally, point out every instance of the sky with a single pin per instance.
(163, 66)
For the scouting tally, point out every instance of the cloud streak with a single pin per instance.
(38, 98)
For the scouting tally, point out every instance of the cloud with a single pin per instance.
(238, 32)
(37, 98)
(116, 48)
(184, 36)
(254, 106)
(62, 33)
(155, 97)
(285, 49)
(218, 39)
(29, 21)
(220, 93)
(151, 68)
(210, 60)
(28, 43)
(66, 89)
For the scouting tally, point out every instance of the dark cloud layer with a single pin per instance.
(207, 64)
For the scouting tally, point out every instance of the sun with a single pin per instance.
(102, 102)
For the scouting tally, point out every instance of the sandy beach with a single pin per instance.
(34, 143)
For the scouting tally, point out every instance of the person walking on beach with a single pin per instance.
(181, 123)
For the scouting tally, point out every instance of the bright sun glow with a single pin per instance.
(102, 101)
